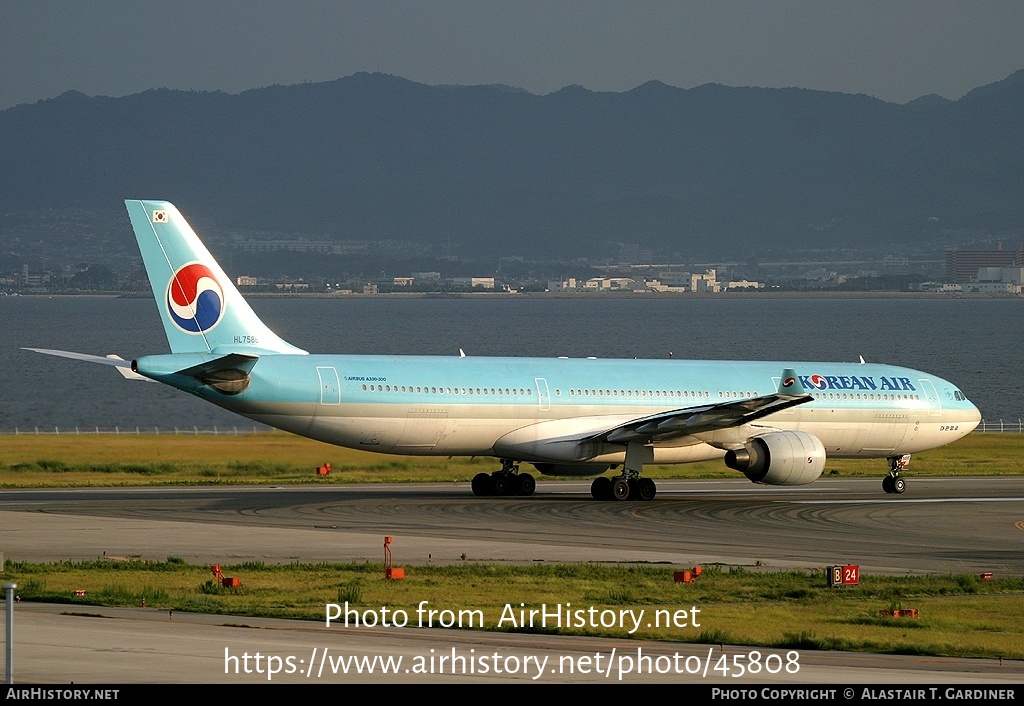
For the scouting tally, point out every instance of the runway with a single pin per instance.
(939, 525)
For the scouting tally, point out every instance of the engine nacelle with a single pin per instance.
(572, 469)
(780, 458)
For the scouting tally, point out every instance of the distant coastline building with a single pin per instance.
(707, 282)
(473, 282)
(963, 265)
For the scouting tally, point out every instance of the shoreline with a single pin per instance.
(788, 294)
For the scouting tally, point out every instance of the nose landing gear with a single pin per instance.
(894, 483)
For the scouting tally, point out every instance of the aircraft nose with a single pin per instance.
(971, 417)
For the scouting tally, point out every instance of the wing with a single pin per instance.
(676, 423)
(695, 420)
(580, 439)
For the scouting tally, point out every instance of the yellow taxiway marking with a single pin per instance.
(1019, 525)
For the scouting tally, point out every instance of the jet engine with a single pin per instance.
(780, 458)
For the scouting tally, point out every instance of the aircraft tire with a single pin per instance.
(887, 484)
(601, 488)
(646, 489)
(481, 485)
(525, 484)
(620, 489)
(899, 486)
(500, 484)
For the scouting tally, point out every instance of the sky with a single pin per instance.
(896, 50)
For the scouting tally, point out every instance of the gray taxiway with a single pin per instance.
(939, 525)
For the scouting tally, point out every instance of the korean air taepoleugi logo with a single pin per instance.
(195, 300)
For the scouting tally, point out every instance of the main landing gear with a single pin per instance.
(629, 485)
(605, 488)
(507, 481)
(893, 483)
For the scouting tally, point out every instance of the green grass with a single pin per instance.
(66, 460)
(960, 615)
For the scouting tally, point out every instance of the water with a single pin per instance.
(975, 343)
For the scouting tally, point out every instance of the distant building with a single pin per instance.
(610, 284)
(565, 285)
(1014, 275)
(325, 247)
(743, 284)
(990, 287)
(938, 287)
(656, 285)
(963, 265)
(473, 282)
(289, 286)
(675, 279)
(246, 281)
(707, 282)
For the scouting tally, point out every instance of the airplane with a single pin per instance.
(775, 422)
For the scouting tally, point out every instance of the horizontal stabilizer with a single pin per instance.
(123, 366)
(127, 372)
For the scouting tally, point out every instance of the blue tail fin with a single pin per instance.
(200, 308)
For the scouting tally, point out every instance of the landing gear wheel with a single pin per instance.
(899, 486)
(620, 489)
(500, 484)
(525, 484)
(481, 484)
(646, 489)
(887, 484)
(601, 488)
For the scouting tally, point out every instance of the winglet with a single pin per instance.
(790, 383)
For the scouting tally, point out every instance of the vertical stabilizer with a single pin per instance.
(200, 308)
